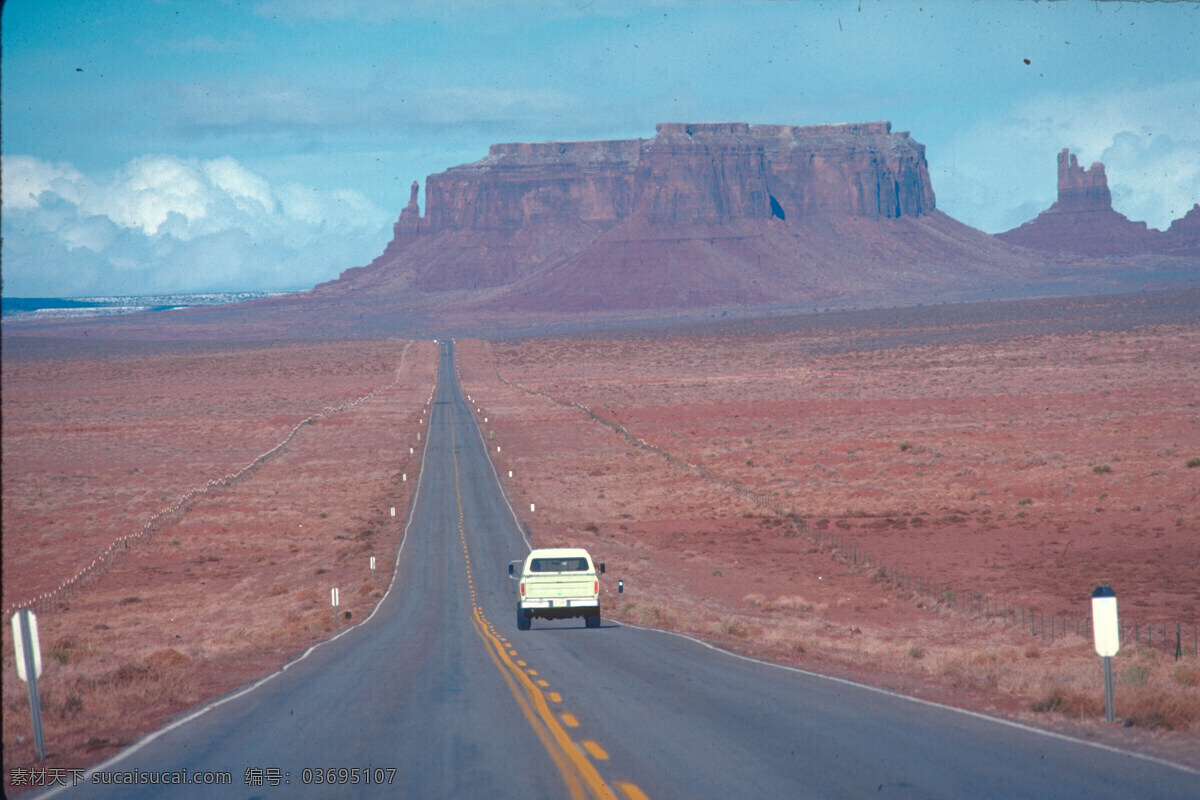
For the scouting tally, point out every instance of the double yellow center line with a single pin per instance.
(579, 773)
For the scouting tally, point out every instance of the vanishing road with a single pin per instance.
(437, 695)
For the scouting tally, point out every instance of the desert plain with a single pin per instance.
(921, 499)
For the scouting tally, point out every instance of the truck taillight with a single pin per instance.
(595, 587)
(522, 588)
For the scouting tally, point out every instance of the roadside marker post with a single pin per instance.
(28, 654)
(393, 507)
(372, 568)
(334, 597)
(1108, 638)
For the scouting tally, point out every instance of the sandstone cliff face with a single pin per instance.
(687, 173)
(1083, 221)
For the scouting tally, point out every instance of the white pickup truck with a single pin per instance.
(556, 583)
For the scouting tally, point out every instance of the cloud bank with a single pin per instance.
(164, 224)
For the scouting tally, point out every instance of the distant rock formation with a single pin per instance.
(699, 215)
(687, 173)
(1081, 189)
(1083, 221)
(1187, 228)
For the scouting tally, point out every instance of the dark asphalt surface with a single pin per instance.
(440, 688)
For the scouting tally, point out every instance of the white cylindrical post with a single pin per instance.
(1108, 638)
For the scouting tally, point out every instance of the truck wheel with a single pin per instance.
(523, 621)
(593, 621)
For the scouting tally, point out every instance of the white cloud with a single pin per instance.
(162, 223)
(1153, 178)
(993, 171)
(244, 186)
(149, 189)
(26, 178)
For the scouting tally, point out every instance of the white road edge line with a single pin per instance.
(499, 484)
(138, 745)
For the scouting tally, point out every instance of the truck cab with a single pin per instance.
(557, 583)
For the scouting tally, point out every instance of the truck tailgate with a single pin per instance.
(548, 587)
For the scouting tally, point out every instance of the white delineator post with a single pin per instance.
(1108, 638)
(28, 653)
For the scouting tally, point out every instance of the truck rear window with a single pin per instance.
(558, 565)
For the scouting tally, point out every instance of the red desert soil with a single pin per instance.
(717, 470)
(95, 444)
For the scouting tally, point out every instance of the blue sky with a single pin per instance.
(157, 146)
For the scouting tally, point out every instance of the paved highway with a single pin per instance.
(438, 695)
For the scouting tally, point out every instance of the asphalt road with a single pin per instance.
(438, 695)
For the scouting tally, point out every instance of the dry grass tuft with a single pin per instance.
(1136, 674)
(1187, 676)
(167, 659)
(796, 603)
(733, 626)
(1159, 710)
(1064, 701)
(971, 673)
(308, 596)
(650, 615)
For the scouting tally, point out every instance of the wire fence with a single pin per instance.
(56, 598)
(1176, 639)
